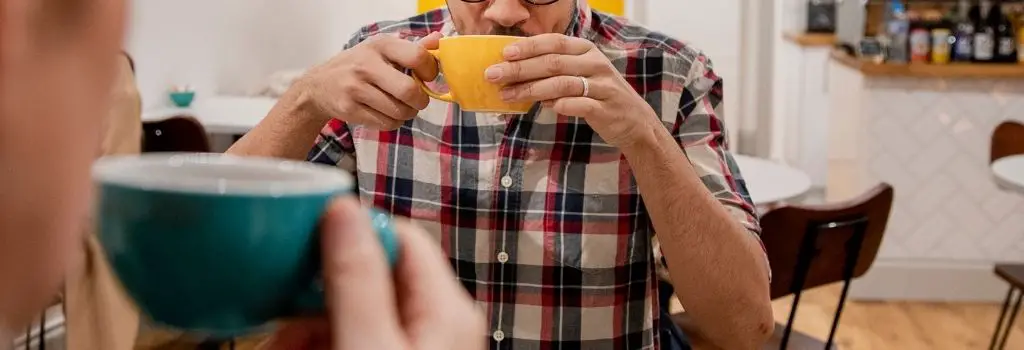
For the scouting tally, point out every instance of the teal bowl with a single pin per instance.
(216, 245)
(183, 99)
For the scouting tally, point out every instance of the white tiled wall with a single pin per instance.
(930, 139)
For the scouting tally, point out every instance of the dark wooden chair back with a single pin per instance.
(176, 134)
(1007, 140)
(827, 237)
(811, 246)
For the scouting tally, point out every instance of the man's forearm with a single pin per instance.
(287, 132)
(715, 264)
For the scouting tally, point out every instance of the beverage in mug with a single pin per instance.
(463, 60)
(218, 245)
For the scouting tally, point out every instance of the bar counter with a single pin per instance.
(926, 70)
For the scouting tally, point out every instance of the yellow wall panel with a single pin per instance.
(427, 5)
(615, 7)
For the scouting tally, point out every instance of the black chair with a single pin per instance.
(1007, 140)
(176, 134)
(811, 246)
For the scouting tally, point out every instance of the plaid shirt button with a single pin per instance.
(499, 335)
(503, 257)
(506, 181)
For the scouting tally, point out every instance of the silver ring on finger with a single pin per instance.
(586, 86)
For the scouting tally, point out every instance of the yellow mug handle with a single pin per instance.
(423, 86)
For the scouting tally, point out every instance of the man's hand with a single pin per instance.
(419, 306)
(550, 68)
(364, 85)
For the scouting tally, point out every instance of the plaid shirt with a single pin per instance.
(540, 218)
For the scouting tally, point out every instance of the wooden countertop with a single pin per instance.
(924, 70)
(810, 39)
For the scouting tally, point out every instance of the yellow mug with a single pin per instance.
(463, 60)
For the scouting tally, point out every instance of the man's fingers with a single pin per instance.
(539, 67)
(408, 55)
(385, 103)
(547, 89)
(577, 106)
(546, 44)
(359, 292)
(376, 120)
(403, 88)
(437, 311)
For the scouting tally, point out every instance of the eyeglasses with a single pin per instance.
(531, 2)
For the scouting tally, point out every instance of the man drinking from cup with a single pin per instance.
(557, 218)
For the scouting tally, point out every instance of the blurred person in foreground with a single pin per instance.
(58, 62)
(559, 221)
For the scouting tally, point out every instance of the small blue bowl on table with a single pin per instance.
(183, 99)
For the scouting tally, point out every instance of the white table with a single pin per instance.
(220, 114)
(1009, 172)
(770, 182)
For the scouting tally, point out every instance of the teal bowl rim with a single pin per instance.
(268, 177)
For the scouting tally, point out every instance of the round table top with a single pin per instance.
(220, 114)
(770, 182)
(1009, 172)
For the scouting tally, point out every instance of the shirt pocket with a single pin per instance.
(597, 221)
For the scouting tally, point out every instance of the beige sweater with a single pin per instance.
(99, 316)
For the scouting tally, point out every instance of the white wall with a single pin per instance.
(232, 45)
(712, 26)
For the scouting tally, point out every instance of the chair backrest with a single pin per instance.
(176, 134)
(820, 241)
(1007, 140)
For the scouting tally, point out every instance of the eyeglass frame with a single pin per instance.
(531, 2)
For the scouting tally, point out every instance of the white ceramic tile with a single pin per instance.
(929, 138)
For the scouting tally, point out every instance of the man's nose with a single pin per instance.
(507, 13)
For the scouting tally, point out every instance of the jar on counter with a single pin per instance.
(1020, 41)
(920, 45)
(941, 45)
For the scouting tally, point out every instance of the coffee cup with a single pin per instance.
(463, 60)
(219, 245)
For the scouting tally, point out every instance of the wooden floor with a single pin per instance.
(864, 326)
(898, 325)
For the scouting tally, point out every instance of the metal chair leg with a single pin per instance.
(1002, 317)
(1013, 317)
(789, 323)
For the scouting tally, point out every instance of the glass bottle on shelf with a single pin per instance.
(985, 35)
(963, 34)
(1005, 38)
(897, 31)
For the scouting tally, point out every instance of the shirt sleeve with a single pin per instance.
(700, 131)
(334, 146)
